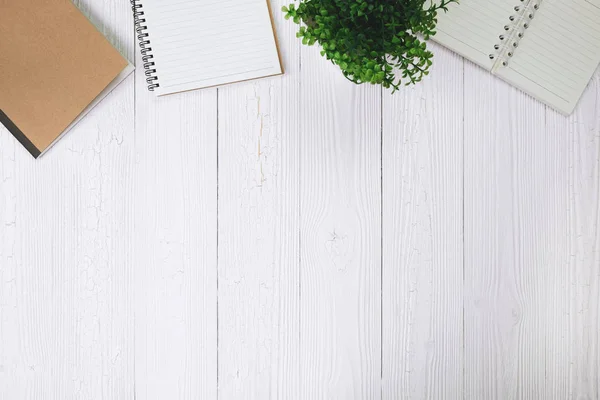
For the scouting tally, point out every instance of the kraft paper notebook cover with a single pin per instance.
(550, 49)
(54, 67)
(194, 44)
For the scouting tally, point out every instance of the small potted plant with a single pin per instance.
(376, 41)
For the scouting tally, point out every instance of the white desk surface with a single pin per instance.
(304, 238)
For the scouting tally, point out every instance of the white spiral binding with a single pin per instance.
(514, 31)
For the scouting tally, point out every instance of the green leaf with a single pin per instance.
(376, 41)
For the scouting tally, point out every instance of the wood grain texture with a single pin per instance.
(505, 260)
(340, 217)
(176, 244)
(259, 176)
(66, 305)
(11, 359)
(422, 298)
(531, 258)
(572, 329)
(440, 243)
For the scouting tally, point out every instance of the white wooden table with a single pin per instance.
(303, 238)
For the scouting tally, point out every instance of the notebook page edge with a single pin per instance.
(190, 88)
(563, 106)
(277, 46)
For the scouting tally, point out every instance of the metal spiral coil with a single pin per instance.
(143, 40)
(515, 30)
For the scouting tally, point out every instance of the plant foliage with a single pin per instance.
(375, 41)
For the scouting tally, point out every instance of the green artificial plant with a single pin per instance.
(375, 41)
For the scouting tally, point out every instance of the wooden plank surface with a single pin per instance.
(11, 364)
(66, 268)
(572, 330)
(422, 296)
(304, 238)
(259, 137)
(176, 244)
(505, 168)
(340, 229)
(531, 245)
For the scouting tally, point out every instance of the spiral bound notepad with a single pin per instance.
(194, 44)
(550, 49)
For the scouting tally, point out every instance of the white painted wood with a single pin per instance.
(337, 267)
(340, 225)
(66, 305)
(11, 360)
(175, 244)
(422, 298)
(259, 137)
(572, 331)
(505, 168)
(531, 245)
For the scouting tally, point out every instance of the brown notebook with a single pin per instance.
(54, 67)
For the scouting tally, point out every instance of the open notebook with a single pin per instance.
(548, 48)
(193, 44)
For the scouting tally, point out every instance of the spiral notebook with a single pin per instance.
(54, 68)
(550, 49)
(194, 44)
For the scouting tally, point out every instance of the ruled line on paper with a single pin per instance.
(195, 42)
(560, 51)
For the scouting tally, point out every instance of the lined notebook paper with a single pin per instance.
(202, 43)
(548, 48)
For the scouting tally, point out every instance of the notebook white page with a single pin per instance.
(471, 28)
(559, 53)
(556, 56)
(204, 43)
